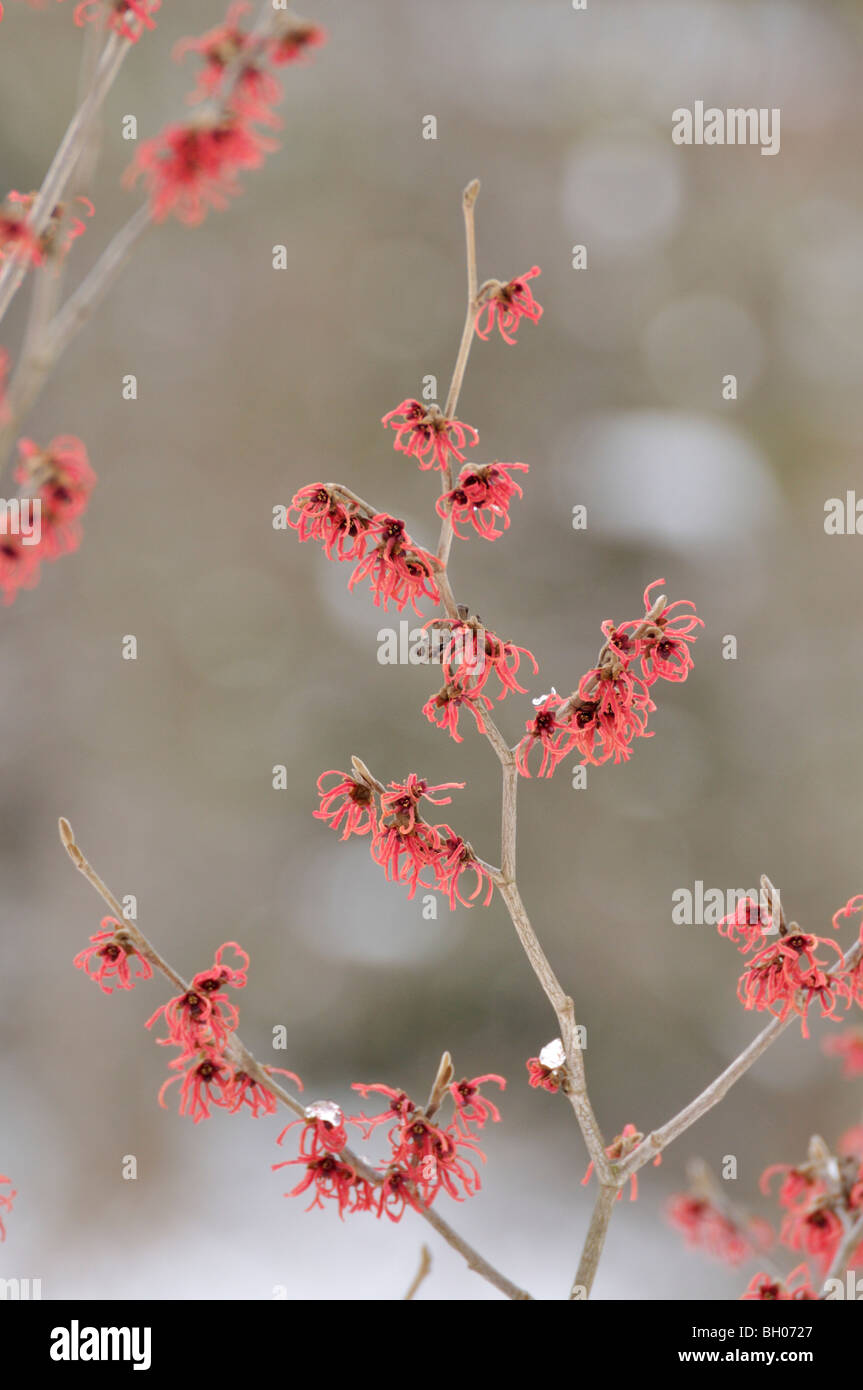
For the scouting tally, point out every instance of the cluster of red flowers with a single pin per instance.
(199, 1023)
(705, 1227)
(191, 167)
(471, 655)
(820, 1199)
(398, 571)
(56, 483)
(19, 242)
(785, 975)
(6, 1198)
(426, 1156)
(402, 842)
(609, 709)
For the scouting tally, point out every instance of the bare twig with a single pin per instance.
(421, 1274)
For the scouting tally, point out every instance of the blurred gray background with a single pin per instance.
(702, 261)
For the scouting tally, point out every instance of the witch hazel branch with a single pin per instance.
(192, 167)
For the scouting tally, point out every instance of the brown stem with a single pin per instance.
(594, 1242)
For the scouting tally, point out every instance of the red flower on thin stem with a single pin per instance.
(663, 647)
(454, 861)
(333, 1180)
(786, 977)
(395, 1194)
(323, 1129)
(507, 305)
(403, 853)
(195, 1018)
(403, 798)
(471, 1107)
(189, 169)
(473, 652)
(109, 959)
(295, 41)
(247, 1091)
(424, 433)
(61, 479)
(17, 240)
(444, 707)
(817, 1233)
(750, 922)
(400, 1105)
(344, 530)
(399, 571)
(19, 566)
(218, 47)
(705, 1227)
(208, 1080)
(349, 801)
(554, 737)
(481, 497)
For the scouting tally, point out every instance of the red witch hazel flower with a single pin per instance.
(620, 1148)
(424, 433)
(189, 169)
(470, 1106)
(817, 1233)
(61, 229)
(6, 1200)
(481, 498)
(548, 1070)
(660, 640)
(848, 1046)
(766, 1289)
(208, 1080)
(705, 1227)
(350, 801)
(750, 922)
(456, 861)
(786, 977)
(247, 1091)
(555, 738)
(444, 707)
(507, 305)
(294, 42)
(19, 566)
(399, 571)
(324, 1129)
(332, 1180)
(61, 478)
(255, 91)
(317, 514)
(204, 1016)
(17, 241)
(128, 18)
(472, 653)
(218, 47)
(109, 959)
